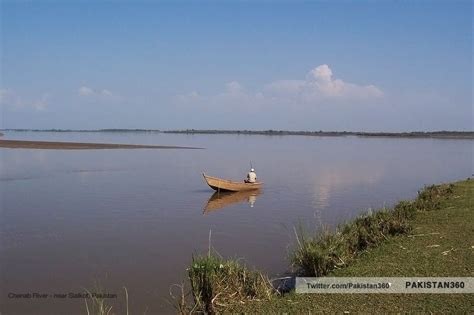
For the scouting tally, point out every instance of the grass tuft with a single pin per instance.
(430, 197)
(316, 255)
(217, 282)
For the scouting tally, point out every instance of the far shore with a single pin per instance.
(50, 145)
(440, 134)
(411, 134)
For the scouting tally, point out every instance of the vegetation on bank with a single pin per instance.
(270, 132)
(216, 282)
(429, 236)
(414, 134)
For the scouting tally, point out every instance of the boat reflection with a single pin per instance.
(221, 200)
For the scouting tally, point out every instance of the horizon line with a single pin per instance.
(192, 130)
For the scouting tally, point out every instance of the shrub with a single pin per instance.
(317, 256)
(431, 196)
(218, 282)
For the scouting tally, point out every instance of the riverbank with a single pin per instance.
(53, 145)
(437, 243)
(414, 134)
(441, 134)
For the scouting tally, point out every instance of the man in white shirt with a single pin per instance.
(251, 176)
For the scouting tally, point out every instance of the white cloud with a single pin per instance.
(321, 73)
(318, 87)
(42, 103)
(233, 87)
(187, 98)
(285, 86)
(9, 98)
(234, 95)
(85, 91)
(88, 92)
(106, 93)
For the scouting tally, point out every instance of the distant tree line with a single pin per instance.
(271, 132)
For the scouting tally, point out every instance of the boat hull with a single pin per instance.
(219, 184)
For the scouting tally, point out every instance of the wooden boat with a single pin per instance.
(220, 184)
(220, 200)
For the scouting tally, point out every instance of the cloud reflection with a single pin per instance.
(330, 181)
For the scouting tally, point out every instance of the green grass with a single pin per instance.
(316, 256)
(439, 242)
(216, 282)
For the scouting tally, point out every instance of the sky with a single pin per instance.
(312, 65)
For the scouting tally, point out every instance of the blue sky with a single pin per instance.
(347, 65)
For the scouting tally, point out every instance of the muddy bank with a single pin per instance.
(20, 144)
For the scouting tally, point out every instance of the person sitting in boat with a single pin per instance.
(251, 176)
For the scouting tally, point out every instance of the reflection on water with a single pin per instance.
(335, 179)
(220, 200)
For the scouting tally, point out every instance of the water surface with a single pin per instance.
(76, 219)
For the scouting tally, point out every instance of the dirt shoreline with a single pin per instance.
(50, 145)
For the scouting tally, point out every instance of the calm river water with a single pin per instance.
(71, 220)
